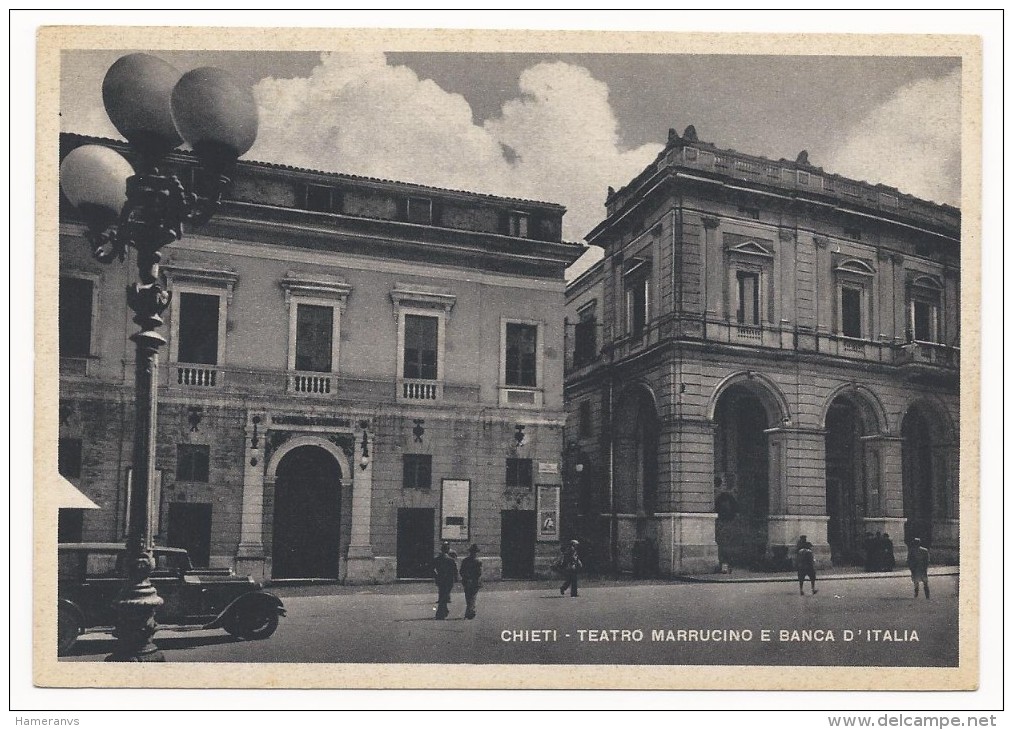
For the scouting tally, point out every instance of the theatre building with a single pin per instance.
(356, 369)
(767, 350)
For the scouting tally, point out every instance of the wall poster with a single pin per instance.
(548, 513)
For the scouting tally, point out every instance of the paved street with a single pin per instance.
(395, 624)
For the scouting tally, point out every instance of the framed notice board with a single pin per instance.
(455, 509)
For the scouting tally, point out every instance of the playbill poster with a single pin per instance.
(313, 303)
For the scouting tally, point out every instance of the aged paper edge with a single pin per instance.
(48, 672)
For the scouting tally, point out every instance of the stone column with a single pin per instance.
(250, 554)
(685, 531)
(945, 523)
(798, 492)
(713, 269)
(885, 513)
(359, 564)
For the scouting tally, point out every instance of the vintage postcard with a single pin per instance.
(457, 359)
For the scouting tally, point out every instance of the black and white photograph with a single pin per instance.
(459, 359)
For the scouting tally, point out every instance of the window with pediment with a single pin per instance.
(853, 300)
(925, 294)
(749, 278)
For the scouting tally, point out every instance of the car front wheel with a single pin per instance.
(258, 623)
(68, 629)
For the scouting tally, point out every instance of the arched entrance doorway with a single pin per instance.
(307, 515)
(636, 452)
(741, 476)
(920, 473)
(845, 480)
(635, 480)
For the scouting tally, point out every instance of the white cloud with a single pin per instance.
(355, 113)
(911, 141)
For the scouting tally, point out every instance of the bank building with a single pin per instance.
(766, 350)
(356, 370)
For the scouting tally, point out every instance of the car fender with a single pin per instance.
(70, 605)
(256, 599)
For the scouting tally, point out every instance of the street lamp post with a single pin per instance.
(155, 108)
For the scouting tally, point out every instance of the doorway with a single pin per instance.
(307, 515)
(517, 543)
(741, 477)
(190, 528)
(415, 550)
(845, 477)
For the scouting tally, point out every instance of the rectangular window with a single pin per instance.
(69, 458)
(420, 346)
(518, 223)
(521, 351)
(638, 306)
(192, 462)
(753, 213)
(851, 312)
(749, 297)
(418, 471)
(198, 328)
(584, 419)
(925, 317)
(419, 210)
(853, 233)
(75, 317)
(585, 339)
(314, 338)
(519, 473)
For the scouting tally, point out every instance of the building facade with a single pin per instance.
(356, 369)
(767, 350)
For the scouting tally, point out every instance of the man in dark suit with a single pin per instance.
(471, 580)
(918, 561)
(806, 564)
(445, 573)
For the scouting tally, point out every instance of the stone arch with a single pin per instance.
(930, 461)
(869, 406)
(323, 443)
(944, 431)
(760, 385)
(851, 416)
(636, 424)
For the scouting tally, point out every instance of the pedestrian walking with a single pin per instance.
(471, 580)
(918, 562)
(571, 565)
(445, 573)
(805, 561)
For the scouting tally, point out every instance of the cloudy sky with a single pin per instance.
(564, 127)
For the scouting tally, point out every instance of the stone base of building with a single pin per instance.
(783, 532)
(492, 567)
(360, 566)
(894, 527)
(685, 542)
(945, 542)
(250, 561)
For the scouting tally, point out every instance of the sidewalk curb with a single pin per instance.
(789, 578)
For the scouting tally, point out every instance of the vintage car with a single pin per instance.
(91, 576)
